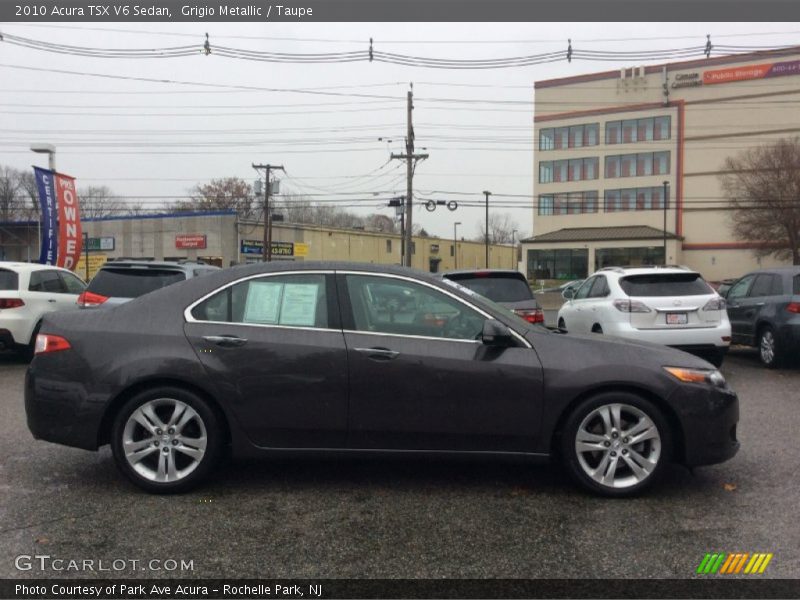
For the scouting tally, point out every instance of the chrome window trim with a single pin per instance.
(413, 337)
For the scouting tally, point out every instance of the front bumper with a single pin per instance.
(709, 417)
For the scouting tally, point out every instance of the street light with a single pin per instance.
(48, 149)
(514, 248)
(455, 243)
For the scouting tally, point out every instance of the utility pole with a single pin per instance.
(455, 244)
(410, 159)
(666, 196)
(514, 249)
(486, 231)
(266, 254)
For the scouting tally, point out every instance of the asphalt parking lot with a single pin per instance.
(407, 518)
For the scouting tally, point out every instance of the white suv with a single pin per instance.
(27, 292)
(673, 306)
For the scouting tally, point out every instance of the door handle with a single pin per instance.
(226, 341)
(51, 300)
(378, 353)
(759, 304)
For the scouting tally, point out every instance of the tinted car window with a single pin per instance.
(386, 305)
(739, 289)
(764, 285)
(665, 284)
(289, 300)
(796, 289)
(599, 288)
(72, 284)
(132, 283)
(9, 280)
(583, 291)
(46, 281)
(500, 288)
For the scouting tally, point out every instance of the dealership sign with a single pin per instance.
(278, 248)
(190, 240)
(61, 236)
(95, 244)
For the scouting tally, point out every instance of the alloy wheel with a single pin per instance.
(767, 347)
(164, 440)
(618, 445)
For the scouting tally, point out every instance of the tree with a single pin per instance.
(230, 193)
(100, 201)
(762, 186)
(18, 195)
(501, 229)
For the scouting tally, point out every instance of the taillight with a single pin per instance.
(91, 299)
(11, 302)
(717, 303)
(534, 315)
(46, 343)
(793, 307)
(631, 306)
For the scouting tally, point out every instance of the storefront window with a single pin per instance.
(567, 263)
(628, 257)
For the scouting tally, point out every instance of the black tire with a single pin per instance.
(29, 350)
(659, 450)
(203, 423)
(769, 351)
(597, 328)
(716, 358)
(562, 324)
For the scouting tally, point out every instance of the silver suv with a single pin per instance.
(672, 306)
(119, 281)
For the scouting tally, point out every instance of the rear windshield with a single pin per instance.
(665, 284)
(500, 288)
(10, 281)
(132, 283)
(796, 289)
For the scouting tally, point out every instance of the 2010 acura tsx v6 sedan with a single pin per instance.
(361, 359)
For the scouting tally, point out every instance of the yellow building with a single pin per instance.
(613, 146)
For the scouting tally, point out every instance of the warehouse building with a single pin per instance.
(628, 165)
(220, 238)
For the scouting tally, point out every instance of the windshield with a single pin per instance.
(478, 299)
(132, 283)
(500, 288)
(665, 284)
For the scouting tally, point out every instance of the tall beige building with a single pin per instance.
(629, 162)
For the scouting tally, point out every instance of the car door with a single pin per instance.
(741, 331)
(420, 379)
(597, 309)
(273, 346)
(580, 308)
(756, 306)
(46, 291)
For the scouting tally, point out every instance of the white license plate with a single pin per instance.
(677, 318)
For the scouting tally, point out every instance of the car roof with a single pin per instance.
(792, 270)
(645, 270)
(460, 272)
(157, 264)
(21, 266)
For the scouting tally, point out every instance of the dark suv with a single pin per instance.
(764, 311)
(119, 281)
(505, 287)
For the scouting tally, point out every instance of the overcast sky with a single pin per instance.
(146, 139)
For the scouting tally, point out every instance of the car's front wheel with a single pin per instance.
(166, 440)
(615, 443)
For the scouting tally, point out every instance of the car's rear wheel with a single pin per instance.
(562, 324)
(597, 328)
(768, 350)
(166, 440)
(615, 443)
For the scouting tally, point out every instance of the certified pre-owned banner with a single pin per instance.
(61, 223)
(45, 181)
(70, 237)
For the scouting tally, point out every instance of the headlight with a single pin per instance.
(709, 376)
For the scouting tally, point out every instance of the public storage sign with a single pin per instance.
(190, 240)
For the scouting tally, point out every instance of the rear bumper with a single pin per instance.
(678, 338)
(709, 417)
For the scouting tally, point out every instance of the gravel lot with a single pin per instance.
(408, 518)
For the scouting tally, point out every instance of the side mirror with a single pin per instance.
(568, 293)
(495, 333)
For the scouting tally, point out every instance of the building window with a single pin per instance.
(641, 164)
(644, 198)
(566, 263)
(570, 203)
(545, 172)
(413, 247)
(452, 250)
(576, 136)
(546, 204)
(638, 130)
(632, 257)
(577, 169)
(388, 246)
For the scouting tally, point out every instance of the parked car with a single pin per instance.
(723, 286)
(285, 358)
(28, 291)
(507, 288)
(119, 281)
(569, 285)
(764, 311)
(673, 306)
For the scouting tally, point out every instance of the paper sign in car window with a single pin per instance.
(263, 302)
(299, 306)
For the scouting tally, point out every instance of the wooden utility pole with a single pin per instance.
(410, 159)
(486, 232)
(266, 254)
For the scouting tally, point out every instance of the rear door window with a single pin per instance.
(796, 290)
(9, 280)
(764, 285)
(665, 284)
(72, 284)
(499, 288)
(46, 281)
(132, 283)
(600, 287)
